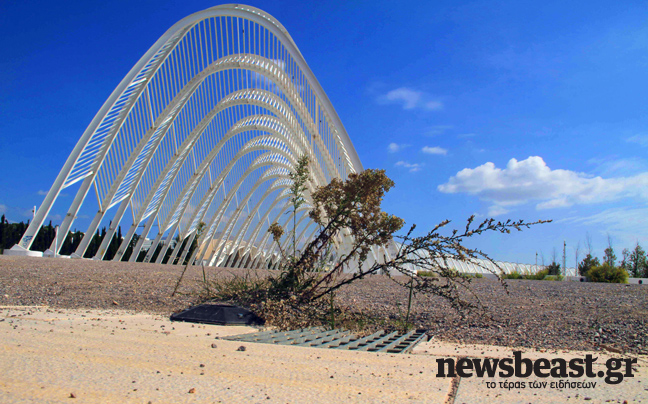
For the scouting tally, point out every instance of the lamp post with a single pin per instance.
(564, 257)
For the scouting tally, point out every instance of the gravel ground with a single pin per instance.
(543, 315)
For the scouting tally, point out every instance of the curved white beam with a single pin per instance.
(279, 184)
(163, 184)
(257, 122)
(229, 226)
(235, 62)
(183, 201)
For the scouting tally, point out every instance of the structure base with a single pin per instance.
(20, 251)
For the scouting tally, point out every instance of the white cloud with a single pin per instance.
(497, 210)
(413, 167)
(466, 135)
(434, 150)
(641, 140)
(628, 224)
(437, 130)
(532, 180)
(43, 193)
(410, 99)
(611, 166)
(395, 147)
(14, 213)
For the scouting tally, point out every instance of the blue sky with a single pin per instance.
(511, 109)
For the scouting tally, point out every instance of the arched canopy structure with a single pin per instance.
(204, 128)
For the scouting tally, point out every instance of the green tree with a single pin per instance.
(93, 247)
(609, 257)
(637, 262)
(553, 269)
(608, 273)
(588, 263)
(2, 233)
(625, 256)
(71, 242)
(12, 232)
(44, 237)
(131, 246)
(113, 246)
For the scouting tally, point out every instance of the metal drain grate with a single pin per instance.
(394, 342)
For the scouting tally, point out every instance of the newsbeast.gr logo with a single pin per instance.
(616, 369)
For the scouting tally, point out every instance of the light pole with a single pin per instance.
(564, 257)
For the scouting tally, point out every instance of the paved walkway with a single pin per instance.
(98, 356)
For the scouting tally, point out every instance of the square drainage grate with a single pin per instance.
(394, 342)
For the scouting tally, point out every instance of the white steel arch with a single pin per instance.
(207, 124)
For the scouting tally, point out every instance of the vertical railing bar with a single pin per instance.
(190, 55)
(181, 63)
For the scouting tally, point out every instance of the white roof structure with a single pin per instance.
(482, 266)
(204, 128)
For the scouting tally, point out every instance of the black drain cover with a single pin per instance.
(220, 314)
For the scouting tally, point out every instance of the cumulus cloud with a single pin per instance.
(532, 180)
(434, 150)
(410, 99)
(413, 167)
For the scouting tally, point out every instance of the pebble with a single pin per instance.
(550, 315)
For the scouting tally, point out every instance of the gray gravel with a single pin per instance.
(544, 315)
(538, 314)
(67, 283)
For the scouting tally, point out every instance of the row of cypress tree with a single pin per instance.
(10, 234)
